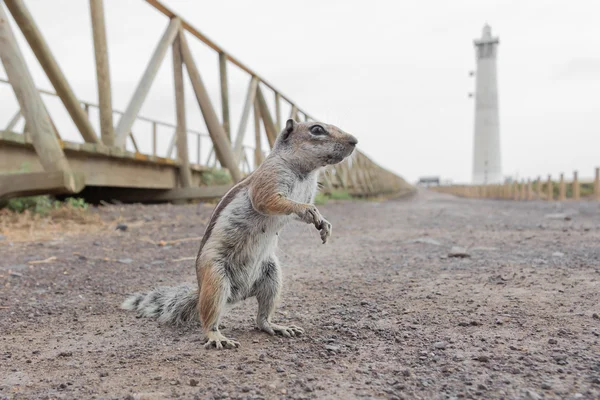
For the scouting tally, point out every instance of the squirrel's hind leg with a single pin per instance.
(267, 290)
(214, 291)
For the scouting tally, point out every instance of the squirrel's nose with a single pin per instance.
(352, 140)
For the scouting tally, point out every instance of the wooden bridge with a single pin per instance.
(109, 164)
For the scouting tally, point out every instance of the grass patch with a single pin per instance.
(43, 205)
(216, 177)
(323, 198)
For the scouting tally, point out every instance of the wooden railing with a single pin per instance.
(227, 149)
(549, 190)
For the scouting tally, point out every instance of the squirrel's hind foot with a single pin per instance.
(218, 341)
(287, 331)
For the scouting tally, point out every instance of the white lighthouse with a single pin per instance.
(487, 165)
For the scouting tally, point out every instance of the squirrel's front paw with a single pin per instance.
(325, 229)
(311, 215)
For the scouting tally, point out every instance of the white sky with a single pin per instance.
(393, 73)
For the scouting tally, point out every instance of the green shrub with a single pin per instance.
(42, 205)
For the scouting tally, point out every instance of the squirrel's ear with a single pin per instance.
(289, 128)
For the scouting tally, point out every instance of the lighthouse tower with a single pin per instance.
(487, 166)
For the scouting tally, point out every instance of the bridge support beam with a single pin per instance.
(266, 117)
(107, 131)
(38, 122)
(239, 139)
(44, 55)
(222, 145)
(143, 87)
(182, 142)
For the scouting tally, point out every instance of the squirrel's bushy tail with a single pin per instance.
(169, 305)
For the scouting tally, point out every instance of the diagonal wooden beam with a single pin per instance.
(13, 121)
(266, 118)
(215, 129)
(250, 96)
(224, 93)
(181, 131)
(258, 159)
(294, 112)
(143, 87)
(107, 131)
(41, 50)
(45, 143)
(278, 111)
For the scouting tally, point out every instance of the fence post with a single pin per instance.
(597, 185)
(550, 189)
(538, 187)
(562, 189)
(529, 190)
(575, 188)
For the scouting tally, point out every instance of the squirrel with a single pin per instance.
(236, 259)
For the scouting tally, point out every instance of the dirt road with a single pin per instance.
(387, 312)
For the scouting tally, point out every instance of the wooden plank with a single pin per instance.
(597, 185)
(13, 121)
(278, 111)
(250, 96)
(171, 146)
(154, 139)
(103, 169)
(198, 149)
(562, 189)
(37, 120)
(224, 93)
(266, 118)
(294, 112)
(549, 189)
(182, 142)
(127, 119)
(41, 50)
(215, 129)
(107, 132)
(30, 184)
(133, 142)
(575, 187)
(257, 137)
(190, 193)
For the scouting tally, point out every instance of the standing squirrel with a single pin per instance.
(237, 257)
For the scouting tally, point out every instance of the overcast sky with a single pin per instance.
(395, 74)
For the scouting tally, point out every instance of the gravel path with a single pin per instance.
(512, 313)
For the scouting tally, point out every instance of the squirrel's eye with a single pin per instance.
(317, 130)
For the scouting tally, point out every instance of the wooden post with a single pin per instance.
(562, 189)
(13, 121)
(42, 52)
(239, 139)
(597, 185)
(516, 190)
(224, 93)
(529, 190)
(133, 142)
(38, 122)
(266, 118)
(215, 129)
(102, 73)
(294, 112)
(257, 139)
(154, 139)
(128, 118)
(198, 138)
(278, 111)
(550, 189)
(181, 131)
(575, 188)
(538, 187)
